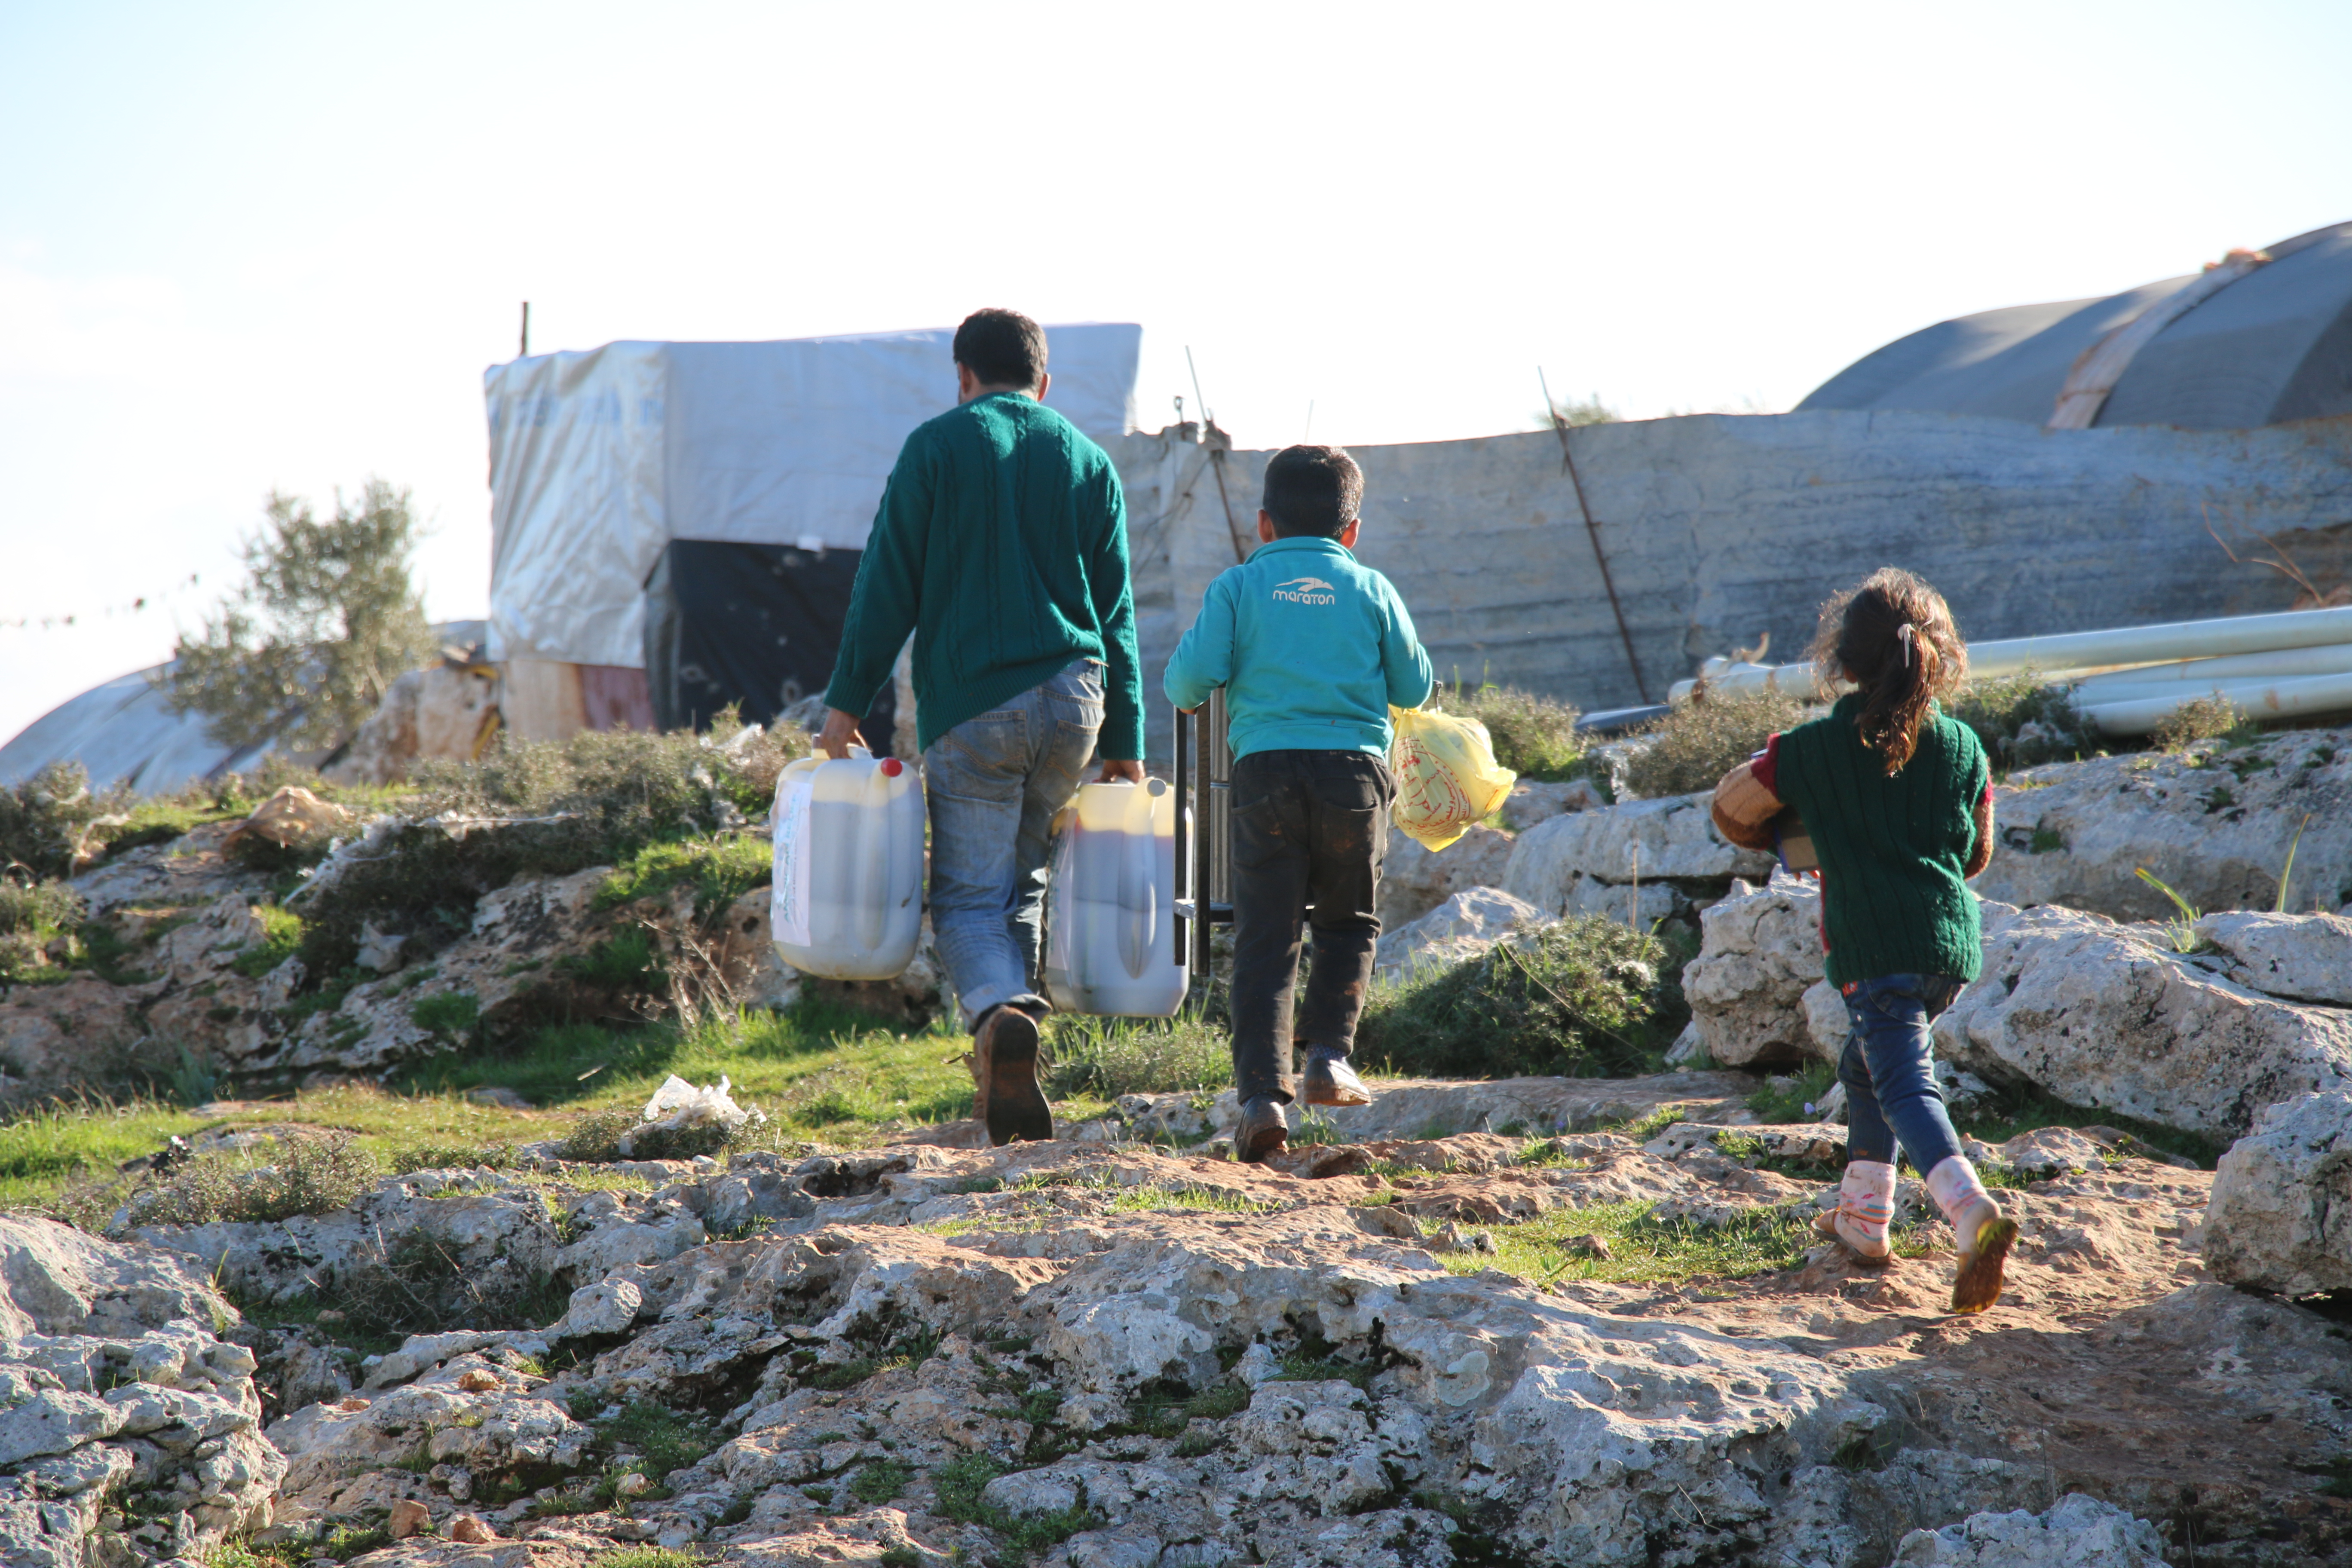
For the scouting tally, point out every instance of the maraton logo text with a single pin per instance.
(1307, 591)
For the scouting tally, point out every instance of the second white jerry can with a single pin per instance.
(1110, 926)
(848, 896)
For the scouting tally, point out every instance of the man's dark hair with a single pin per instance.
(1312, 490)
(1001, 348)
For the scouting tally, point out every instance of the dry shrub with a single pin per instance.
(1693, 746)
(32, 917)
(2022, 721)
(46, 821)
(417, 1283)
(304, 1175)
(1535, 737)
(595, 1139)
(2207, 718)
(598, 799)
(1585, 998)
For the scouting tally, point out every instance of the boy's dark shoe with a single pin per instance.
(1265, 1129)
(1330, 1080)
(1005, 1077)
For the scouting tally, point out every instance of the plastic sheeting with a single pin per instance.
(2272, 347)
(124, 732)
(754, 624)
(599, 459)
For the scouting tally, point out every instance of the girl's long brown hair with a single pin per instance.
(1893, 637)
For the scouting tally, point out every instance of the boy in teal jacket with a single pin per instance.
(1312, 648)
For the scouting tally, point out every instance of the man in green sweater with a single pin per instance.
(1002, 544)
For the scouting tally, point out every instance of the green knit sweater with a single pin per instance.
(1002, 544)
(1893, 850)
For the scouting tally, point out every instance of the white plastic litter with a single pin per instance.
(679, 1107)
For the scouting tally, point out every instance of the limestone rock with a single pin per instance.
(1413, 1107)
(2215, 825)
(1839, 1517)
(79, 1031)
(1415, 880)
(518, 932)
(1675, 837)
(2280, 1216)
(2079, 1532)
(117, 1395)
(1463, 926)
(748, 957)
(1532, 801)
(438, 711)
(1751, 986)
(2305, 957)
(2097, 1013)
(187, 872)
(344, 1460)
(493, 1233)
(1639, 905)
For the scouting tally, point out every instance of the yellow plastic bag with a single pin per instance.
(1446, 777)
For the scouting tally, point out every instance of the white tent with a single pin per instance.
(599, 459)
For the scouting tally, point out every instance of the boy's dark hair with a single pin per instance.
(1312, 492)
(1001, 348)
(1894, 636)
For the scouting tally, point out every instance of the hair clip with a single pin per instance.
(1908, 635)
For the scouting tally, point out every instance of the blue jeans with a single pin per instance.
(995, 784)
(1890, 1083)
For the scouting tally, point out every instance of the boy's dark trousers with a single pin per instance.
(1308, 827)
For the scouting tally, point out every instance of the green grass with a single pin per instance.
(958, 1485)
(878, 1482)
(665, 1439)
(821, 1072)
(1641, 1249)
(1809, 1084)
(450, 1014)
(1207, 1200)
(720, 871)
(1112, 1057)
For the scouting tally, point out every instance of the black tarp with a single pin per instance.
(756, 625)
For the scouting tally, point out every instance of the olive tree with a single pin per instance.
(326, 620)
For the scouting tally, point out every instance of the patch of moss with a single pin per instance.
(720, 870)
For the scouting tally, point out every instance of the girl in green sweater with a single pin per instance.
(1898, 798)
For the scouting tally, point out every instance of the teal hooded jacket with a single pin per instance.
(1312, 649)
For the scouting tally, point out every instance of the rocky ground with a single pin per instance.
(1533, 1320)
(1402, 1349)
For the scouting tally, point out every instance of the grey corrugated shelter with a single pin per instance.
(124, 732)
(2274, 345)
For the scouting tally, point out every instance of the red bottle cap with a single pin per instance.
(892, 767)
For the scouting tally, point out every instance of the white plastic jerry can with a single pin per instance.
(1110, 926)
(847, 902)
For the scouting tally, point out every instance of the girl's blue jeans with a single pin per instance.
(1890, 1083)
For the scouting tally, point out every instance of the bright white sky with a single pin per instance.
(255, 246)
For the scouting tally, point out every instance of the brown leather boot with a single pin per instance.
(1005, 1077)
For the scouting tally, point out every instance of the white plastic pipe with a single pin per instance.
(2151, 679)
(2259, 698)
(2087, 651)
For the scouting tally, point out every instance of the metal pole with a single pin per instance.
(1185, 878)
(1593, 531)
(526, 330)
